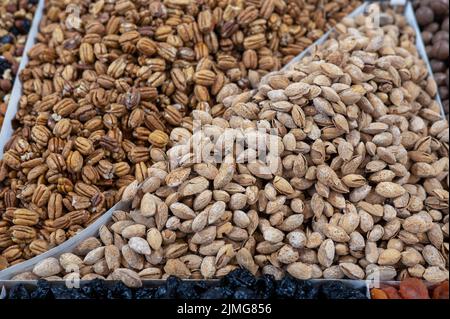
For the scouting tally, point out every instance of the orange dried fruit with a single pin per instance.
(378, 294)
(441, 291)
(392, 293)
(413, 288)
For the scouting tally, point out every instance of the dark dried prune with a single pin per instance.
(161, 293)
(120, 291)
(96, 289)
(201, 286)
(188, 290)
(19, 292)
(286, 288)
(6, 39)
(145, 293)
(313, 293)
(42, 291)
(265, 286)
(355, 294)
(332, 290)
(338, 290)
(88, 291)
(216, 293)
(172, 284)
(14, 30)
(244, 293)
(169, 290)
(59, 293)
(306, 290)
(4, 65)
(23, 26)
(67, 293)
(239, 278)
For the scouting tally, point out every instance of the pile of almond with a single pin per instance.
(337, 168)
(106, 83)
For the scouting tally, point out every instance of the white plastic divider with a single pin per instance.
(13, 103)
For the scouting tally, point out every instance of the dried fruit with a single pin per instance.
(413, 288)
(441, 291)
(378, 294)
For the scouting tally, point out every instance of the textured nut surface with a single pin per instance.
(47, 267)
(100, 101)
(128, 277)
(354, 183)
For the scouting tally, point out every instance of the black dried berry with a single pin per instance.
(286, 288)
(145, 293)
(239, 278)
(14, 30)
(244, 293)
(216, 293)
(161, 293)
(120, 291)
(356, 294)
(19, 292)
(339, 290)
(187, 290)
(95, 289)
(67, 293)
(306, 290)
(6, 39)
(201, 286)
(332, 290)
(171, 287)
(4, 65)
(88, 291)
(23, 26)
(42, 291)
(265, 286)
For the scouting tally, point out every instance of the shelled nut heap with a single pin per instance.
(103, 90)
(432, 16)
(15, 23)
(353, 183)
